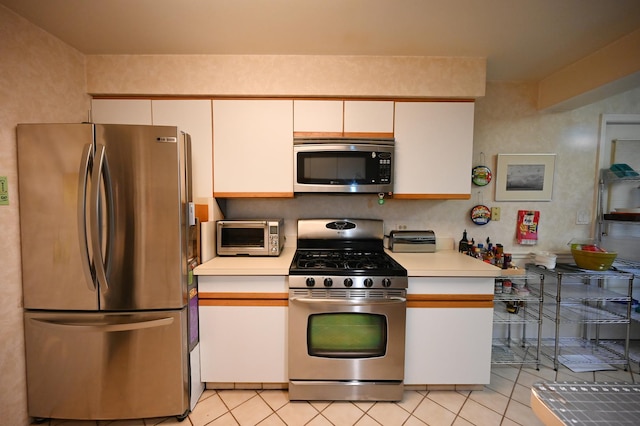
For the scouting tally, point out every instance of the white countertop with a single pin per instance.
(442, 263)
(248, 265)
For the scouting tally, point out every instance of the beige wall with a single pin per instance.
(42, 80)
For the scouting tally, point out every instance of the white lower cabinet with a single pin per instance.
(243, 344)
(449, 329)
(448, 346)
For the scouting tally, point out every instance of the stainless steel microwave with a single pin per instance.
(260, 237)
(343, 165)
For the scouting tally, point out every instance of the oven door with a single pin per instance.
(333, 338)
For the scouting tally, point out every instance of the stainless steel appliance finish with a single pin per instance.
(347, 314)
(107, 259)
(343, 165)
(258, 237)
(102, 365)
(407, 241)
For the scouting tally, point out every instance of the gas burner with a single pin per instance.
(317, 264)
(362, 265)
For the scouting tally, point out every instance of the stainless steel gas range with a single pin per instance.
(347, 313)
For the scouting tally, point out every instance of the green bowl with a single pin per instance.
(593, 260)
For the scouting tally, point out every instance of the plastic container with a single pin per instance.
(545, 259)
(593, 260)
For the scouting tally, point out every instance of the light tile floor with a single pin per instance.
(505, 401)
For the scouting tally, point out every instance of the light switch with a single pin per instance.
(4, 191)
(583, 217)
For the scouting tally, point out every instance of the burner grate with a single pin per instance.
(343, 260)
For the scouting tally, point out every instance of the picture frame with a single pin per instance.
(525, 177)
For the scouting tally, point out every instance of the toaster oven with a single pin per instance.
(251, 237)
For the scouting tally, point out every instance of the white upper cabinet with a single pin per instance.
(368, 117)
(121, 111)
(253, 148)
(434, 149)
(194, 117)
(343, 118)
(311, 117)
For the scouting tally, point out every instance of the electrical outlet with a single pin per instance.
(495, 213)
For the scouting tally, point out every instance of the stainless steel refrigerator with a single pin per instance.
(109, 241)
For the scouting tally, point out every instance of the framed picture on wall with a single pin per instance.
(525, 177)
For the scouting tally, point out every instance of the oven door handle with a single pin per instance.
(390, 301)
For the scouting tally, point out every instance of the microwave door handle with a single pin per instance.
(83, 175)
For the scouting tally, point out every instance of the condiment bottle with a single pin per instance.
(506, 264)
(463, 246)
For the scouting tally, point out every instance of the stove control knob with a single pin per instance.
(386, 282)
(348, 282)
(368, 282)
(311, 282)
(328, 282)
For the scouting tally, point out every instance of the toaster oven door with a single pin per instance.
(242, 238)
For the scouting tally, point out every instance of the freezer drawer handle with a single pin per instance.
(104, 327)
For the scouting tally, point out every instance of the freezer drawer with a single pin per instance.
(102, 366)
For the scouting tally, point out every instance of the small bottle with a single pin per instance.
(489, 257)
(499, 255)
(506, 262)
(463, 246)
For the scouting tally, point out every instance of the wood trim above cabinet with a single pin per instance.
(450, 301)
(431, 196)
(355, 135)
(243, 299)
(253, 194)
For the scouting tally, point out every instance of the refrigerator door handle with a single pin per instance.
(101, 260)
(83, 175)
(103, 327)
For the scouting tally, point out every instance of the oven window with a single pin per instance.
(347, 335)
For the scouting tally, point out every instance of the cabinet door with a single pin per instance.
(243, 344)
(368, 117)
(315, 117)
(434, 148)
(194, 117)
(121, 111)
(448, 346)
(336, 118)
(253, 148)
